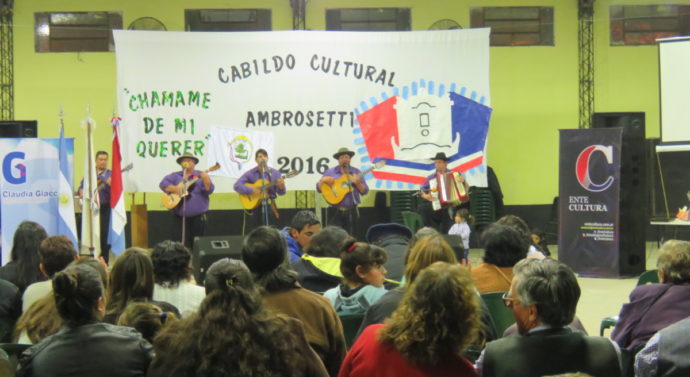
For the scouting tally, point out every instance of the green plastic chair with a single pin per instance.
(351, 323)
(412, 220)
(647, 277)
(501, 316)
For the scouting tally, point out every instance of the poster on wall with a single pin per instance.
(30, 185)
(589, 190)
(394, 96)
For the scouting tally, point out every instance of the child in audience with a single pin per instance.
(539, 241)
(362, 266)
(461, 228)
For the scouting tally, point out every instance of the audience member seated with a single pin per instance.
(265, 254)
(56, 253)
(233, 335)
(503, 247)
(84, 346)
(131, 279)
(666, 353)
(655, 306)
(395, 239)
(319, 268)
(539, 241)
(10, 308)
(41, 319)
(22, 270)
(146, 318)
(543, 297)
(303, 226)
(521, 226)
(364, 272)
(436, 321)
(173, 274)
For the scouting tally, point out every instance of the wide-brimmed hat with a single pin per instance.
(440, 156)
(343, 151)
(187, 155)
(380, 231)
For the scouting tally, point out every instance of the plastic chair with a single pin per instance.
(647, 277)
(501, 316)
(351, 323)
(412, 220)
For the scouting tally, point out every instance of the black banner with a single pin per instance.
(589, 191)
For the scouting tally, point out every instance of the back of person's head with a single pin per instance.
(551, 286)
(77, 290)
(96, 265)
(265, 253)
(171, 263)
(27, 238)
(674, 262)
(518, 224)
(425, 252)
(304, 218)
(56, 253)
(131, 278)
(439, 315)
(145, 317)
(327, 242)
(503, 245)
(231, 317)
(421, 233)
(359, 254)
(39, 321)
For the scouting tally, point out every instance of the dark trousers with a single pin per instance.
(104, 214)
(257, 217)
(195, 226)
(345, 218)
(439, 220)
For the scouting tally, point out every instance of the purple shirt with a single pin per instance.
(348, 200)
(104, 193)
(253, 175)
(194, 204)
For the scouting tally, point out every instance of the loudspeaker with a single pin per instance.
(634, 215)
(207, 250)
(18, 128)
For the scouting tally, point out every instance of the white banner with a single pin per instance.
(397, 96)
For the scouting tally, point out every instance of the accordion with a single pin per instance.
(449, 190)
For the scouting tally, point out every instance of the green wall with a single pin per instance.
(534, 89)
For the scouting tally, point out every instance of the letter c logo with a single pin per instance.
(582, 167)
(8, 172)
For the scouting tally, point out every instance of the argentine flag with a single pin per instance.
(66, 223)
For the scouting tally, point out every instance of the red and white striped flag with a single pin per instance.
(118, 215)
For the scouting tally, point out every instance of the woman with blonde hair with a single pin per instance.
(436, 321)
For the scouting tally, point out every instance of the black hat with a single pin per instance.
(343, 151)
(440, 156)
(381, 231)
(187, 155)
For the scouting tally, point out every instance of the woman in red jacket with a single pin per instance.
(436, 321)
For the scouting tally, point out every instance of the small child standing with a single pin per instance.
(461, 228)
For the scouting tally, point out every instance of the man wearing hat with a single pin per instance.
(439, 219)
(190, 213)
(343, 213)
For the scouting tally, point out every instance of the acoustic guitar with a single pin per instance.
(251, 201)
(171, 200)
(342, 186)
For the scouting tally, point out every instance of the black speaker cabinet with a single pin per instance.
(18, 128)
(207, 250)
(634, 198)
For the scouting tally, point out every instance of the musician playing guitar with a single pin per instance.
(190, 213)
(272, 185)
(103, 184)
(344, 214)
(438, 219)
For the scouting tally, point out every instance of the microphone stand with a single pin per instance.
(352, 187)
(264, 199)
(184, 208)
